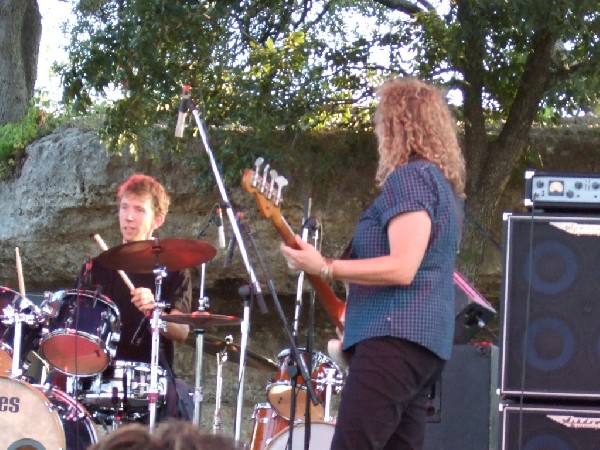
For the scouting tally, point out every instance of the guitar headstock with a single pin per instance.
(267, 186)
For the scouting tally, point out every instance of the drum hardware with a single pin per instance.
(202, 319)
(221, 359)
(213, 345)
(267, 423)
(255, 285)
(281, 392)
(333, 380)
(43, 417)
(156, 324)
(20, 316)
(321, 435)
(121, 392)
(143, 256)
(81, 332)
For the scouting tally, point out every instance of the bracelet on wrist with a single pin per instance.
(327, 269)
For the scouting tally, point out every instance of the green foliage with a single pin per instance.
(14, 137)
(261, 66)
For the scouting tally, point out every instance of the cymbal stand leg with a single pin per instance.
(198, 392)
(16, 361)
(155, 323)
(221, 358)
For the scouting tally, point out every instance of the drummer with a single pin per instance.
(143, 205)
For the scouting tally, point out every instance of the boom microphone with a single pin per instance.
(184, 107)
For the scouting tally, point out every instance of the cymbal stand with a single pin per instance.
(333, 381)
(245, 325)
(13, 315)
(16, 361)
(198, 390)
(221, 359)
(156, 324)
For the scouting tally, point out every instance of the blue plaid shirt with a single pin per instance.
(422, 312)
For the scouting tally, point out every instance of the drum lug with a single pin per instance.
(115, 336)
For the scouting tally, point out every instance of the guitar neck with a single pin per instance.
(333, 305)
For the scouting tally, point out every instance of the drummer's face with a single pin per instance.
(136, 217)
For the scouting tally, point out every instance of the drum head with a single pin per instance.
(28, 420)
(321, 435)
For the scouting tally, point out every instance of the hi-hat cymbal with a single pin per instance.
(202, 319)
(214, 345)
(144, 256)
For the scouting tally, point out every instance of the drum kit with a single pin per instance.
(73, 335)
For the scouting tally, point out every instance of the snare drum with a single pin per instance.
(12, 302)
(279, 392)
(83, 329)
(267, 423)
(321, 435)
(38, 418)
(124, 380)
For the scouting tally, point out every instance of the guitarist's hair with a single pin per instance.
(412, 121)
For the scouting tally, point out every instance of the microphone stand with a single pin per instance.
(245, 325)
(295, 361)
(310, 333)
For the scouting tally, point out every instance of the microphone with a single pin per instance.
(230, 250)
(139, 333)
(220, 230)
(184, 107)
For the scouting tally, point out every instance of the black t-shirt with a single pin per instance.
(176, 289)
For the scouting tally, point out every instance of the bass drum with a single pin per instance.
(33, 417)
(321, 435)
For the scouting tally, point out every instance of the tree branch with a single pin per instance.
(408, 7)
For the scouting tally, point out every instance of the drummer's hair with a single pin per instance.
(140, 184)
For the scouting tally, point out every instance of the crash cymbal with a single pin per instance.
(214, 345)
(144, 256)
(202, 319)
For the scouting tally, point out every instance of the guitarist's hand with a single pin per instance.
(304, 257)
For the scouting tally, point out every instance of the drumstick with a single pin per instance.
(20, 273)
(104, 247)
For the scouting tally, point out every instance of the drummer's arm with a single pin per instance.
(176, 331)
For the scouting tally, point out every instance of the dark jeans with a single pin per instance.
(384, 401)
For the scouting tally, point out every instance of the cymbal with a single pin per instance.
(201, 319)
(214, 345)
(144, 256)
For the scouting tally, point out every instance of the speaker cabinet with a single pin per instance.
(463, 409)
(537, 427)
(550, 302)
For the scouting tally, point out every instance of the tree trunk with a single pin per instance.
(20, 34)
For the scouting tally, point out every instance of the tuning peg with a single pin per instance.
(264, 178)
(257, 165)
(274, 176)
(281, 182)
